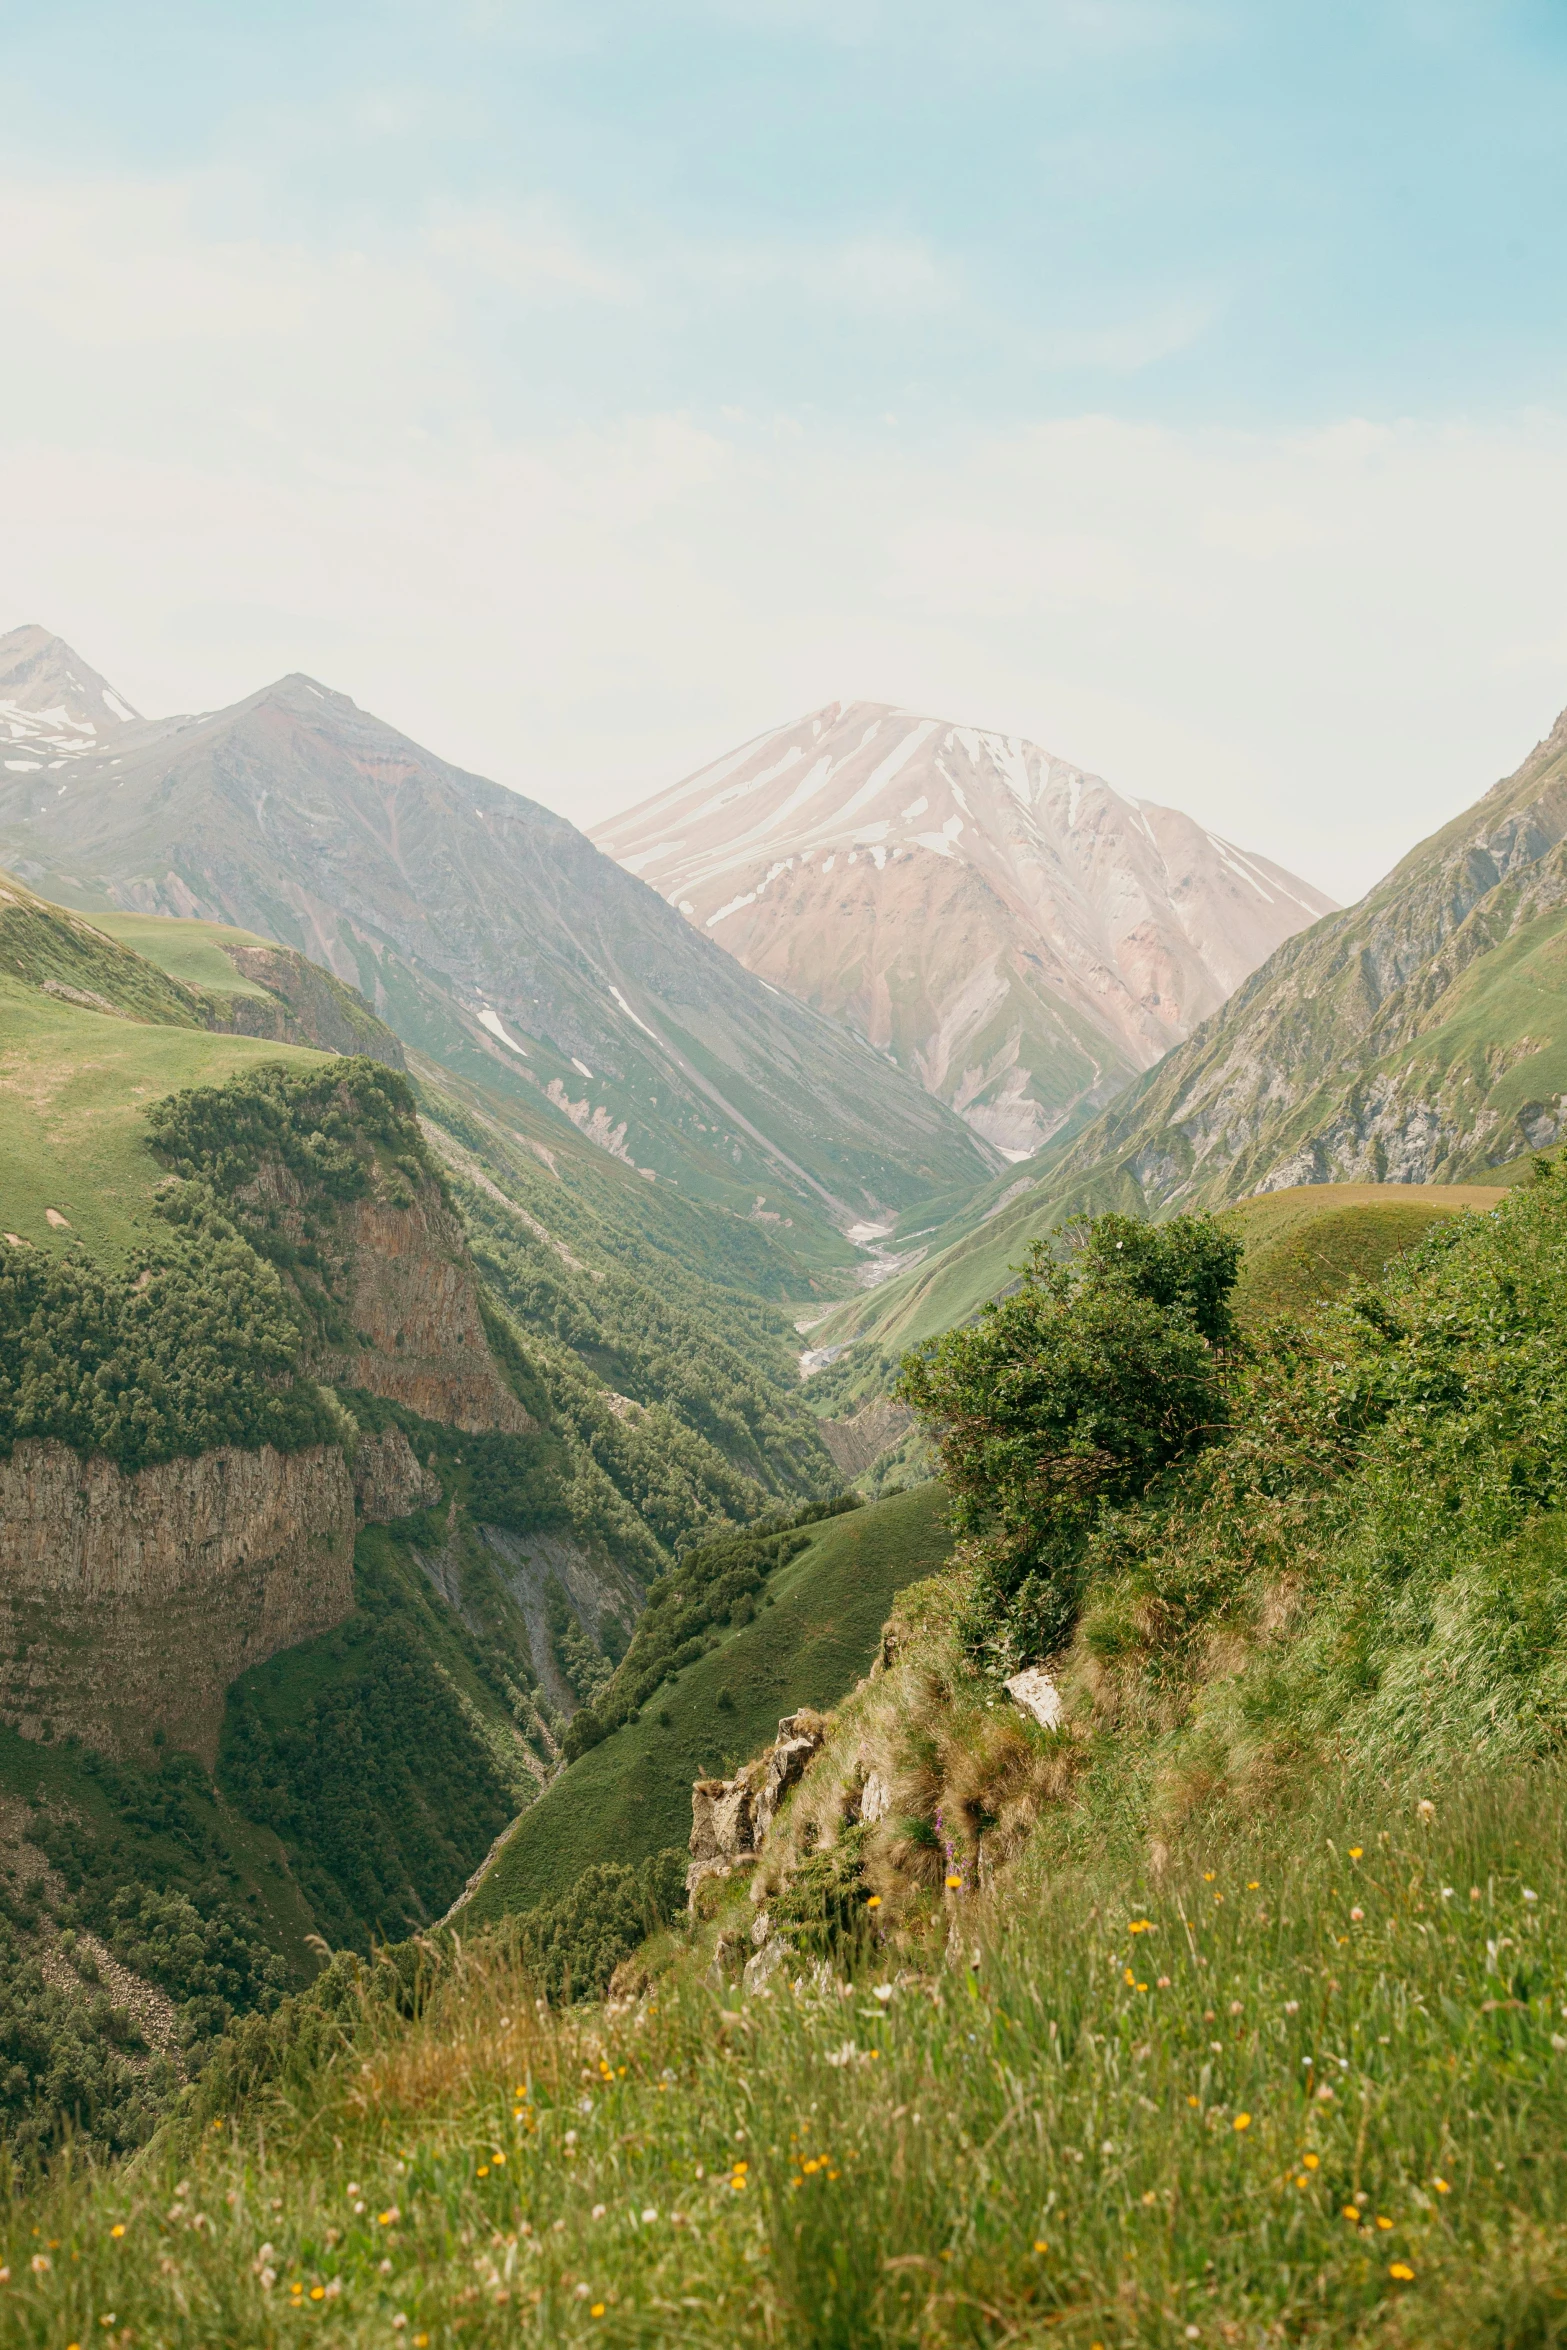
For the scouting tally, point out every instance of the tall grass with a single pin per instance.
(1308, 2086)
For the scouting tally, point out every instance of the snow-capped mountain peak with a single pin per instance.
(53, 707)
(1004, 923)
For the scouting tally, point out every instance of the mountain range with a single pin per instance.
(489, 932)
(1005, 926)
(1418, 1037)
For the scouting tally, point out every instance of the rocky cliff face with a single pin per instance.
(413, 1302)
(128, 1604)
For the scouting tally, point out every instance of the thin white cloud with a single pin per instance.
(226, 458)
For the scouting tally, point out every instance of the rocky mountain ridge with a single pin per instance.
(1008, 927)
(491, 933)
(1417, 1037)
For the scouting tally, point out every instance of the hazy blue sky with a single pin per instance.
(586, 387)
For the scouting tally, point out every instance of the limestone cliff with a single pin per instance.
(128, 1604)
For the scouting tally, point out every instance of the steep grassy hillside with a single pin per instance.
(75, 1087)
(1227, 2011)
(1314, 1242)
(814, 1632)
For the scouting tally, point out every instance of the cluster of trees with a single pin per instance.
(193, 1345)
(572, 1945)
(1122, 1461)
(324, 1124)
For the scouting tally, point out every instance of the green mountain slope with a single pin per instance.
(1417, 1037)
(815, 1631)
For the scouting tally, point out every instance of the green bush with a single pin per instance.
(1076, 1392)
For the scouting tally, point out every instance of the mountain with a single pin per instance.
(1009, 929)
(53, 708)
(489, 932)
(1419, 1037)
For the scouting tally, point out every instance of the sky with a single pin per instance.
(587, 386)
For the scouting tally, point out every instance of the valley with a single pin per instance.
(443, 1502)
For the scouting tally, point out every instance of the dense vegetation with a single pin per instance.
(387, 1755)
(1229, 2011)
(190, 1346)
(140, 1864)
(1073, 1395)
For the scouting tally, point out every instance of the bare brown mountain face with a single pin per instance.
(1007, 927)
(486, 931)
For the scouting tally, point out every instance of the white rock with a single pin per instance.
(1037, 1695)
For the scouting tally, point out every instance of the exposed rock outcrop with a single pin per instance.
(731, 1817)
(304, 1005)
(855, 1443)
(413, 1305)
(389, 1481)
(129, 1603)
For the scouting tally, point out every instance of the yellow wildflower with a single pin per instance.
(1402, 2270)
(1242, 2121)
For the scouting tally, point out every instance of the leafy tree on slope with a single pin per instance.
(1076, 1392)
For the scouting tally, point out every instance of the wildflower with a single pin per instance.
(1425, 1809)
(1128, 1976)
(882, 1991)
(583, 2291)
(390, 2217)
(1383, 2223)
(1140, 1926)
(1191, 2101)
(1352, 2215)
(597, 2310)
(483, 2170)
(649, 2216)
(1402, 2271)
(1235, 2007)
(1254, 1884)
(954, 1884)
(598, 2210)
(1242, 2121)
(1207, 1876)
(1355, 1851)
(399, 2321)
(1447, 1892)
(40, 2264)
(1441, 2186)
(1357, 1915)
(318, 2292)
(1163, 1983)
(874, 1901)
(1311, 2160)
(1040, 2245)
(118, 2228)
(1530, 1896)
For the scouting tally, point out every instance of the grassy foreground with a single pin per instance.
(1308, 2086)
